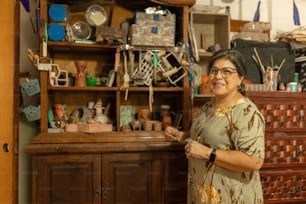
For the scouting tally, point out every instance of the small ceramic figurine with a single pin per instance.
(60, 117)
(59, 111)
(91, 109)
(80, 78)
(100, 116)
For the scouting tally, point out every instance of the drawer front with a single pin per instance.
(284, 186)
(285, 151)
(283, 115)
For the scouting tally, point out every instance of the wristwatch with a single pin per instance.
(212, 156)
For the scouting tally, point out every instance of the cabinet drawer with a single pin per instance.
(282, 113)
(282, 150)
(284, 186)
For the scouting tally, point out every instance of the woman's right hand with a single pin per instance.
(173, 134)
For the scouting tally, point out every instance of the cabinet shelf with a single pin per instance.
(81, 47)
(100, 88)
(155, 89)
(100, 47)
(74, 88)
(205, 54)
(263, 94)
(277, 95)
(102, 137)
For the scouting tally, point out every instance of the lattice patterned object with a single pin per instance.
(44, 64)
(31, 87)
(285, 151)
(174, 73)
(279, 186)
(284, 116)
(151, 63)
(32, 112)
(145, 70)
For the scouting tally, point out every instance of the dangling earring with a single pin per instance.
(239, 87)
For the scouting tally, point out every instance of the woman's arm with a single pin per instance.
(230, 159)
(237, 160)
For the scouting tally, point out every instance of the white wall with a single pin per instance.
(278, 12)
(27, 130)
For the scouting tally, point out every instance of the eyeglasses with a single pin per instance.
(225, 71)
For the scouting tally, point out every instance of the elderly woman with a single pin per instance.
(226, 140)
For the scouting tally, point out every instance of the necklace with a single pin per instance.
(222, 111)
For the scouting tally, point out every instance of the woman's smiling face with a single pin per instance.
(225, 80)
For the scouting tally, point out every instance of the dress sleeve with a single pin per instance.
(249, 131)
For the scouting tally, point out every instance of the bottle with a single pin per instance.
(296, 77)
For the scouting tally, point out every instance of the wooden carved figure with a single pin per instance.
(80, 78)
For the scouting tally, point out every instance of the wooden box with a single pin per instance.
(153, 29)
(96, 127)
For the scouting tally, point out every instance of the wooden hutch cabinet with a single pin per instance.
(108, 166)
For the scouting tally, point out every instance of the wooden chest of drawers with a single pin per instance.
(284, 172)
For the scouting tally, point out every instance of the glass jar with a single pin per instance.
(59, 13)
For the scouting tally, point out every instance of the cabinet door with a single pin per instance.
(69, 179)
(131, 178)
(175, 178)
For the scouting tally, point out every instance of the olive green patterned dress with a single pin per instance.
(240, 127)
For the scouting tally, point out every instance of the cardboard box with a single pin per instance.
(153, 30)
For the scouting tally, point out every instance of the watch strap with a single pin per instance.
(212, 156)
